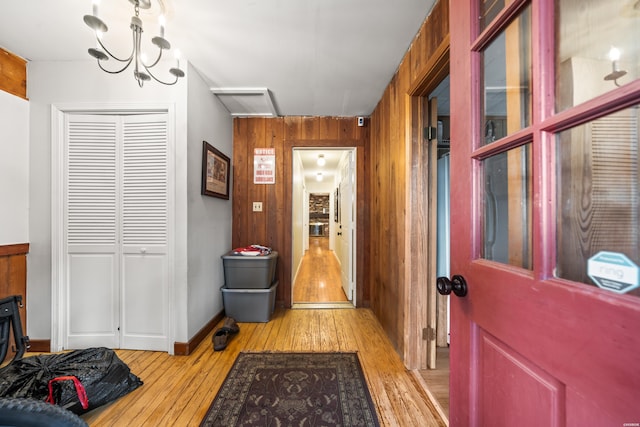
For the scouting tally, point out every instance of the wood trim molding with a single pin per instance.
(420, 307)
(436, 68)
(17, 249)
(186, 348)
(362, 300)
(13, 281)
(13, 74)
(39, 346)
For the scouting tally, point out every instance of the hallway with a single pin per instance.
(318, 280)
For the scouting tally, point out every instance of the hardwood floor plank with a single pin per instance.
(319, 278)
(436, 381)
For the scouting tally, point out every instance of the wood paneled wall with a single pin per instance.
(13, 74)
(272, 226)
(13, 258)
(390, 174)
(13, 281)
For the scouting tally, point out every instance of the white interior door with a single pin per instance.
(346, 230)
(116, 232)
(144, 259)
(91, 232)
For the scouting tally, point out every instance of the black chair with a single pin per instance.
(10, 319)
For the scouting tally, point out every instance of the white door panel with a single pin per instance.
(346, 229)
(91, 229)
(144, 285)
(145, 233)
(92, 314)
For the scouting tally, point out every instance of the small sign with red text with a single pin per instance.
(264, 165)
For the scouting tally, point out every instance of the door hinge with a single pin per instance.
(430, 133)
(428, 334)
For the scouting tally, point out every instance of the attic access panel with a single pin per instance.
(247, 102)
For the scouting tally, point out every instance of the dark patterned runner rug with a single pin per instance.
(293, 389)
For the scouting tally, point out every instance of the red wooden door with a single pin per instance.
(544, 176)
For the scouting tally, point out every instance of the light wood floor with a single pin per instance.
(178, 390)
(318, 279)
(436, 381)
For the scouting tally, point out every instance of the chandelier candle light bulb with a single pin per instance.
(162, 22)
(614, 54)
(616, 72)
(176, 55)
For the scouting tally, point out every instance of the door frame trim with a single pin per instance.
(345, 144)
(305, 231)
(419, 273)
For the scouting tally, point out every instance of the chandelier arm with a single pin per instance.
(127, 60)
(117, 71)
(157, 79)
(154, 62)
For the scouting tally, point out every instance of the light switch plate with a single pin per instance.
(257, 206)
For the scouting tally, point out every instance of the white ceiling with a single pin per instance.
(310, 57)
(309, 159)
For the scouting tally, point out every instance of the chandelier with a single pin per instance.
(141, 68)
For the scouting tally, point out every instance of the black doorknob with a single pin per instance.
(457, 284)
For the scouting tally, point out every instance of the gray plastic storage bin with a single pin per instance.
(249, 305)
(249, 272)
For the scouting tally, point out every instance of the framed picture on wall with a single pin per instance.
(216, 172)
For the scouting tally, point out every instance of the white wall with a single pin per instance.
(14, 169)
(77, 82)
(209, 219)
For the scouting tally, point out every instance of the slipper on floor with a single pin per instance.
(230, 326)
(220, 338)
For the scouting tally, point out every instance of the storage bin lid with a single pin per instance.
(233, 255)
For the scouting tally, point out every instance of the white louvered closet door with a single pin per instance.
(91, 232)
(116, 216)
(144, 271)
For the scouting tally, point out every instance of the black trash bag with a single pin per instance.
(104, 376)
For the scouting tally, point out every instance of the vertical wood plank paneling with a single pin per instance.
(394, 187)
(362, 207)
(276, 199)
(13, 281)
(240, 227)
(292, 128)
(310, 128)
(273, 226)
(258, 192)
(330, 128)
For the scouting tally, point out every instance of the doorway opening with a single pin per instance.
(437, 117)
(323, 228)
